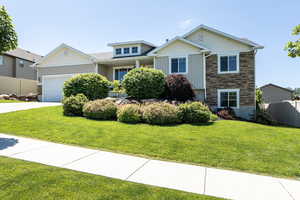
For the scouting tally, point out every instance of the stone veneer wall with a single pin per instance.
(244, 80)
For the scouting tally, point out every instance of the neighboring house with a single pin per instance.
(274, 93)
(17, 63)
(221, 67)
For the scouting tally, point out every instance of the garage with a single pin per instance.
(53, 87)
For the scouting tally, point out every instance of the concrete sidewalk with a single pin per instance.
(11, 107)
(190, 178)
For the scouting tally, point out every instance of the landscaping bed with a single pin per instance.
(227, 144)
(25, 180)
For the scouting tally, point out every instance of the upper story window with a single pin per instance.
(134, 50)
(228, 64)
(228, 98)
(1, 60)
(118, 51)
(126, 50)
(178, 65)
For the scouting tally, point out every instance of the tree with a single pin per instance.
(293, 47)
(259, 98)
(8, 36)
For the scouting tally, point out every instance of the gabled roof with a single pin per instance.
(241, 40)
(92, 58)
(273, 85)
(132, 42)
(102, 55)
(177, 38)
(24, 54)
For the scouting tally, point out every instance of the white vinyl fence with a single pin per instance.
(287, 112)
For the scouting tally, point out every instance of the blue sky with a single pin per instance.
(90, 25)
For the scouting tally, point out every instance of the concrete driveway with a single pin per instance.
(11, 107)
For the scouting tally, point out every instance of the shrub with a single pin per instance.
(226, 113)
(117, 87)
(93, 86)
(144, 83)
(258, 97)
(179, 88)
(72, 105)
(263, 117)
(214, 117)
(194, 112)
(129, 113)
(160, 113)
(102, 109)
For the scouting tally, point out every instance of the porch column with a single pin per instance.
(137, 63)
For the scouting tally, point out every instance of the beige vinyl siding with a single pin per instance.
(195, 69)
(7, 69)
(75, 69)
(274, 94)
(106, 71)
(25, 71)
(217, 42)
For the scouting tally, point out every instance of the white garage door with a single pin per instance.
(53, 87)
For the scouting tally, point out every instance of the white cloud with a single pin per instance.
(185, 23)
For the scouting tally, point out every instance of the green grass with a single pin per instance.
(25, 180)
(224, 144)
(11, 101)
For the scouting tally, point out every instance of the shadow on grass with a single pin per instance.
(7, 142)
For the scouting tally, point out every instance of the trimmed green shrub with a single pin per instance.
(194, 112)
(130, 113)
(160, 113)
(144, 83)
(73, 105)
(102, 109)
(179, 88)
(93, 86)
(214, 117)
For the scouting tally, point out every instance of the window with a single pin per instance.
(228, 98)
(228, 64)
(126, 50)
(118, 51)
(134, 50)
(1, 60)
(178, 65)
(120, 73)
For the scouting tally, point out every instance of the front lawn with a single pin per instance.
(11, 101)
(225, 144)
(25, 180)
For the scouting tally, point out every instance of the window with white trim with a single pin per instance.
(178, 65)
(1, 60)
(228, 64)
(126, 50)
(228, 98)
(134, 50)
(119, 73)
(118, 51)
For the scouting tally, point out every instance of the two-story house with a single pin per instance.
(220, 66)
(17, 63)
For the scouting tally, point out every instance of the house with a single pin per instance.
(17, 63)
(220, 66)
(273, 93)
